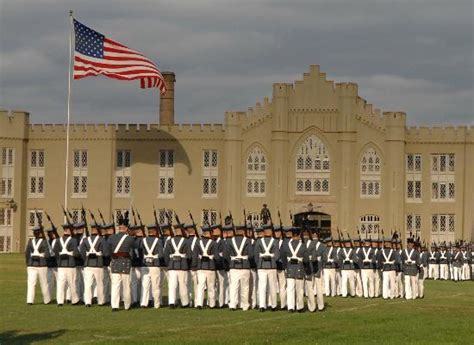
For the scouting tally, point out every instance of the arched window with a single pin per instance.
(370, 174)
(312, 167)
(369, 225)
(256, 173)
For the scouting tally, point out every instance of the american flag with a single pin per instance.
(95, 54)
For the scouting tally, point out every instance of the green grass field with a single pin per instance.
(444, 316)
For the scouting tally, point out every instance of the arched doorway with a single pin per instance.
(314, 219)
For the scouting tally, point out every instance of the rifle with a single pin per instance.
(156, 221)
(245, 218)
(68, 221)
(50, 221)
(220, 217)
(93, 219)
(281, 223)
(101, 217)
(40, 223)
(134, 216)
(339, 234)
(192, 219)
(291, 218)
(177, 218)
(142, 227)
(358, 233)
(84, 218)
(231, 219)
(169, 217)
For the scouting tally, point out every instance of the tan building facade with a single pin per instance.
(316, 145)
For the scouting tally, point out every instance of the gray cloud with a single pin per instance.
(415, 56)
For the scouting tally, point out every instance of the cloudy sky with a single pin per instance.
(413, 55)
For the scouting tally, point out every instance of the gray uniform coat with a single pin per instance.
(39, 257)
(295, 256)
(267, 259)
(66, 257)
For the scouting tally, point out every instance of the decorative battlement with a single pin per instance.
(433, 134)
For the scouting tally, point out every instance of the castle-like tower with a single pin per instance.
(315, 149)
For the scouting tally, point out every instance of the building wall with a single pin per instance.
(345, 123)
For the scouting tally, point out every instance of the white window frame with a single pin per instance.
(369, 225)
(443, 177)
(210, 173)
(36, 178)
(123, 173)
(443, 227)
(79, 173)
(162, 219)
(255, 218)
(211, 214)
(313, 168)
(33, 220)
(6, 229)
(166, 179)
(370, 174)
(7, 172)
(256, 182)
(413, 224)
(413, 173)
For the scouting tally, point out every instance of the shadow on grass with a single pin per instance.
(15, 337)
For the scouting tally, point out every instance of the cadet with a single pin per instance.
(92, 250)
(121, 246)
(278, 234)
(251, 235)
(465, 262)
(107, 230)
(308, 286)
(378, 246)
(388, 259)
(37, 253)
(192, 239)
(205, 255)
(423, 271)
(152, 249)
(357, 276)
(295, 255)
(66, 251)
(347, 258)
(51, 261)
(218, 233)
(444, 257)
(317, 261)
(177, 253)
(266, 256)
(411, 262)
(457, 263)
(330, 264)
(238, 252)
(367, 260)
(80, 232)
(138, 233)
(433, 267)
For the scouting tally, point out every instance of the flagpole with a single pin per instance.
(71, 30)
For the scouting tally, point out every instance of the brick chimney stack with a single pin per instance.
(167, 100)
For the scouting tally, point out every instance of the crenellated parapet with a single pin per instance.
(14, 124)
(440, 134)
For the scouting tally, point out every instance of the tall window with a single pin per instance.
(166, 174)
(443, 227)
(413, 177)
(209, 174)
(312, 167)
(208, 217)
(6, 230)
(34, 219)
(442, 177)
(79, 174)
(37, 163)
(256, 173)
(76, 215)
(370, 174)
(162, 218)
(413, 224)
(123, 173)
(7, 172)
(369, 225)
(117, 213)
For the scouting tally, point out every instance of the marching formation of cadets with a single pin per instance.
(234, 266)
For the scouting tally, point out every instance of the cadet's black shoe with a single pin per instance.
(274, 309)
(324, 309)
(291, 310)
(261, 310)
(301, 310)
(88, 305)
(60, 305)
(199, 307)
(185, 306)
(68, 301)
(114, 309)
(30, 303)
(171, 306)
(233, 309)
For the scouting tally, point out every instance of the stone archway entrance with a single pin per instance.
(315, 219)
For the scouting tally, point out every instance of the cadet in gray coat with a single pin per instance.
(410, 262)
(152, 249)
(317, 263)
(37, 254)
(347, 258)
(66, 252)
(388, 259)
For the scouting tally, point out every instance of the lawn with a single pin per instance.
(444, 316)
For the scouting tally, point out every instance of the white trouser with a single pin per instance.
(358, 283)
(457, 273)
(282, 288)
(52, 278)
(367, 277)
(421, 282)
(120, 282)
(239, 286)
(330, 281)
(193, 287)
(347, 277)
(223, 283)
(267, 279)
(377, 283)
(178, 279)
(434, 271)
(35, 274)
(151, 279)
(465, 271)
(295, 293)
(443, 271)
(206, 279)
(254, 287)
(451, 272)
(338, 282)
(91, 275)
(318, 289)
(135, 277)
(309, 289)
(66, 279)
(389, 281)
(411, 287)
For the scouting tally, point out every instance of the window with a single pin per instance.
(255, 219)
(162, 218)
(413, 177)
(370, 174)
(442, 177)
(79, 174)
(313, 168)
(7, 172)
(256, 173)
(369, 225)
(121, 212)
(6, 230)
(413, 225)
(209, 174)
(209, 217)
(76, 215)
(34, 219)
(123, 174)
(36, 174)
(166, 174)
(443, 227)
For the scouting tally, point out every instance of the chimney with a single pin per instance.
(167, 100)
